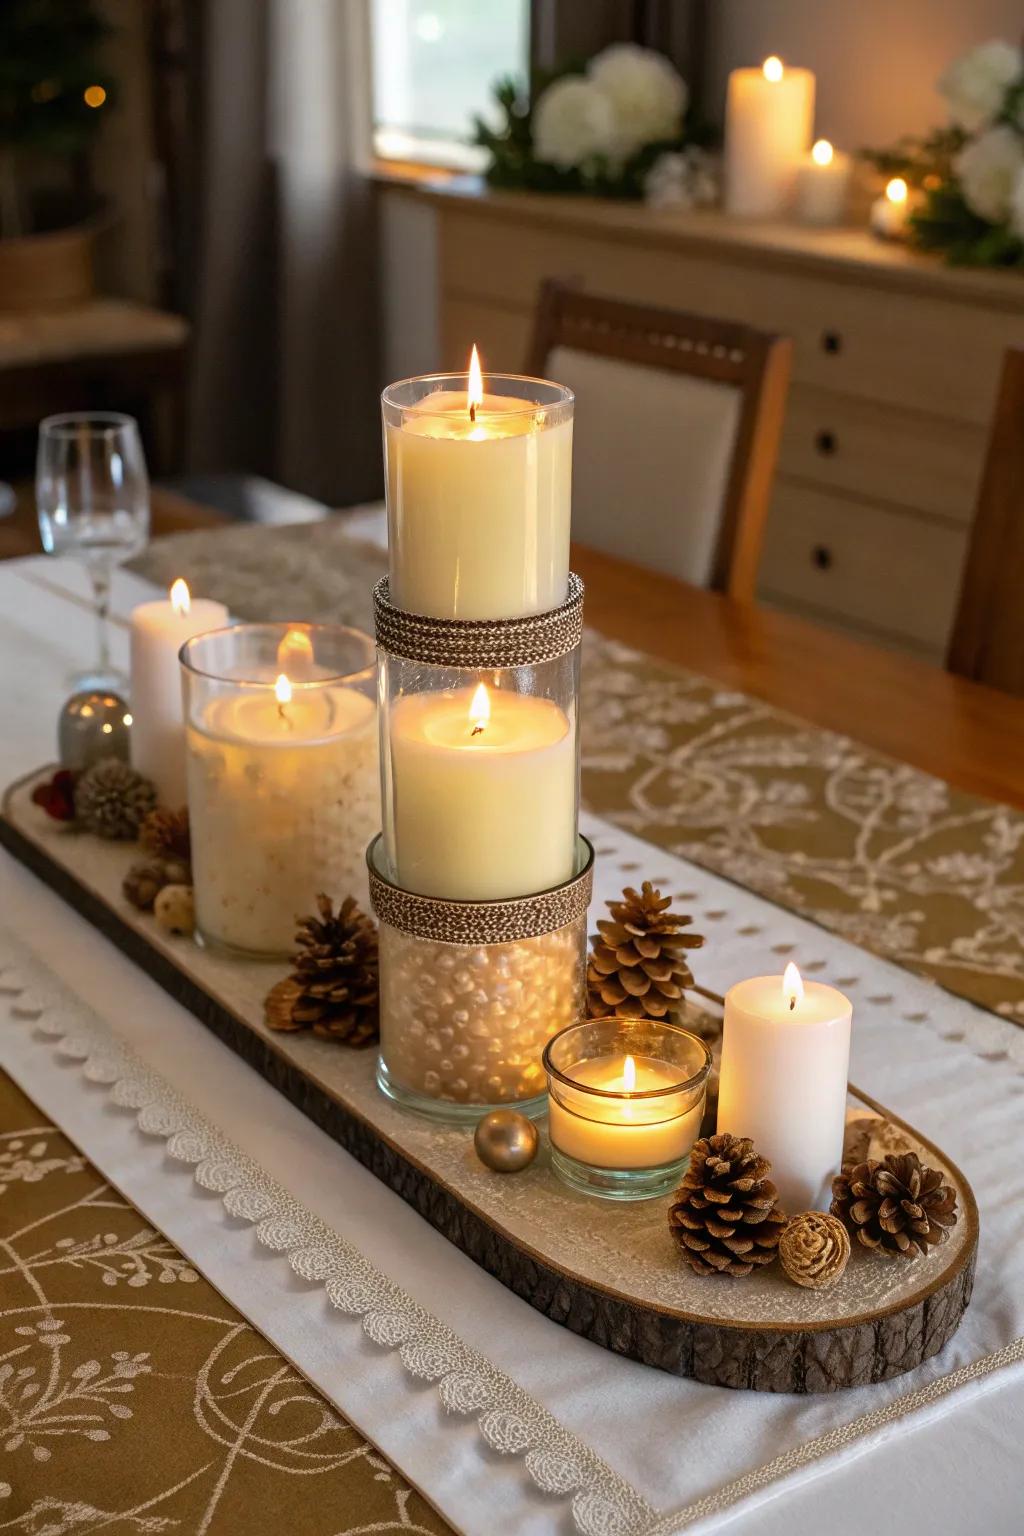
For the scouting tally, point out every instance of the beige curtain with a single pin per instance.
(286, 371)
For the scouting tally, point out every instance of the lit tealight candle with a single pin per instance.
(785, 1063)
(890, 212)
(821, 185)
(158, 631)
(768, 117)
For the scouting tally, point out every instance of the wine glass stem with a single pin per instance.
(101, 602)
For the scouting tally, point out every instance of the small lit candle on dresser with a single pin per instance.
(768, 118)
(783, 1081)
(890, 212)
(158, 631)
(484, 794)
(822, 183)
(479, 482)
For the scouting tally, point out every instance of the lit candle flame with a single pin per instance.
(282, 691)
(479, 710)
(181, 598)
(475, 390)
(629, 1075)
(896, 191)
(792, 986)
(773, 70)
(295, 653)
(822, 152)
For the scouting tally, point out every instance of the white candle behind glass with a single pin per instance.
(783, 1082)
(768, 120)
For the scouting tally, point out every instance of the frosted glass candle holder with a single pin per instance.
(283, 776)
(625, 1103)
(471, 992)
(479, 487)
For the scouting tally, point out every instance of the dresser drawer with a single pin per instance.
(859, 338)
(887, 572)
(848, 444)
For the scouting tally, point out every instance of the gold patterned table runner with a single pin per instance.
(133, 1397)
(884, 855)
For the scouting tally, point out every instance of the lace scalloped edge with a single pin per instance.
(508, 1419)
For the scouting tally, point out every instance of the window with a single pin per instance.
(434, 63)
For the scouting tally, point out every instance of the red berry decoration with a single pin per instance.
(57, 795)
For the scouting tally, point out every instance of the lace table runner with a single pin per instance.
(874, 850)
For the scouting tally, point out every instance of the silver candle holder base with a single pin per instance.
(472, 991)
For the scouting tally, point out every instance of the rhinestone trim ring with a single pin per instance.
(481, 922)
(479, 643)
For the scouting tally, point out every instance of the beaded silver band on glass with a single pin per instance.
(482, 643)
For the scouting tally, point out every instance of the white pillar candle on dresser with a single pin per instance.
(158, 631)
(783, 1081)
(484, 790)
(479, 483)
(283, 779)
(768, 120)
(890, 212)
(822, 184)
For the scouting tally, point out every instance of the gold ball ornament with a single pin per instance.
(174, 909)
(814, 1250)
(506, 1141)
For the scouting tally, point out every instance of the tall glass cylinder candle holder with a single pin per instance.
(625, 1103)
(479, 751)
(283, 776)
(479, 484)
(471, 991)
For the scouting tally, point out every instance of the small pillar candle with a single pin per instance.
(479, 482)
(783, 1082)
(890, 212)
(822, 183)
(158, 631)
(768, 117)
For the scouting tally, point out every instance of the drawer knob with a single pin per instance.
(826, 443)
(831, 341)
(821, 557)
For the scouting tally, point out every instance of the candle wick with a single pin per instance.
(284, 715)
(472, 411)
(792, 1002)
(477, 729)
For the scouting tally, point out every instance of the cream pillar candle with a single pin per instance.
(822, 183)
(890, 212)
(484, 793)
(158, 631)
(783, 1082)
(479, 482)
(768, 120)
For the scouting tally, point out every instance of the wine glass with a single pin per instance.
(92, 497)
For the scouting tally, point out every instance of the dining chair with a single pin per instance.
(987, 643)
(677, 427)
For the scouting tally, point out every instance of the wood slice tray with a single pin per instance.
(608, 1272)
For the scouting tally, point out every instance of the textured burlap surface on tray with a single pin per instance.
(874, 850)
(133, 1397)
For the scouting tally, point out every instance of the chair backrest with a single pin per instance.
(677, 428)
(988, 633)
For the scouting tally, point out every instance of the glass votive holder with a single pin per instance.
(479, 485)
(283, 776)
(625, 1103)
(471, 992)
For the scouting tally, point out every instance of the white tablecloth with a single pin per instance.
(673, 1442)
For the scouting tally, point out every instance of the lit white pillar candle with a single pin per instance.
(610, 1129)
(484, 794)
(822, 182)
(283, 799)
(785, 1064)
(158, 631)
(769, 116)
(891, 211)
(479, 486)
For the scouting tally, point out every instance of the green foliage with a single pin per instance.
(49, 56)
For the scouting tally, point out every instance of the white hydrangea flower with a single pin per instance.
(1017, 208)
(647, 95)
(572, 123)
(975, 85)
(988, 170)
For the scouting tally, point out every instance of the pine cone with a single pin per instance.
(725, 1215)
(637, 964)
(112, 800)
(333, 987)
(897, 1206)
(166, 833)
(814, 1250)
(144, 882)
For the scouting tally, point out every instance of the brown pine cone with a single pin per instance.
(897, 1206)
(144, 882)
(112, 799)
(166, 833)
(638, 966)
(725, 1215)
(333, 987)
(814, 1250)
